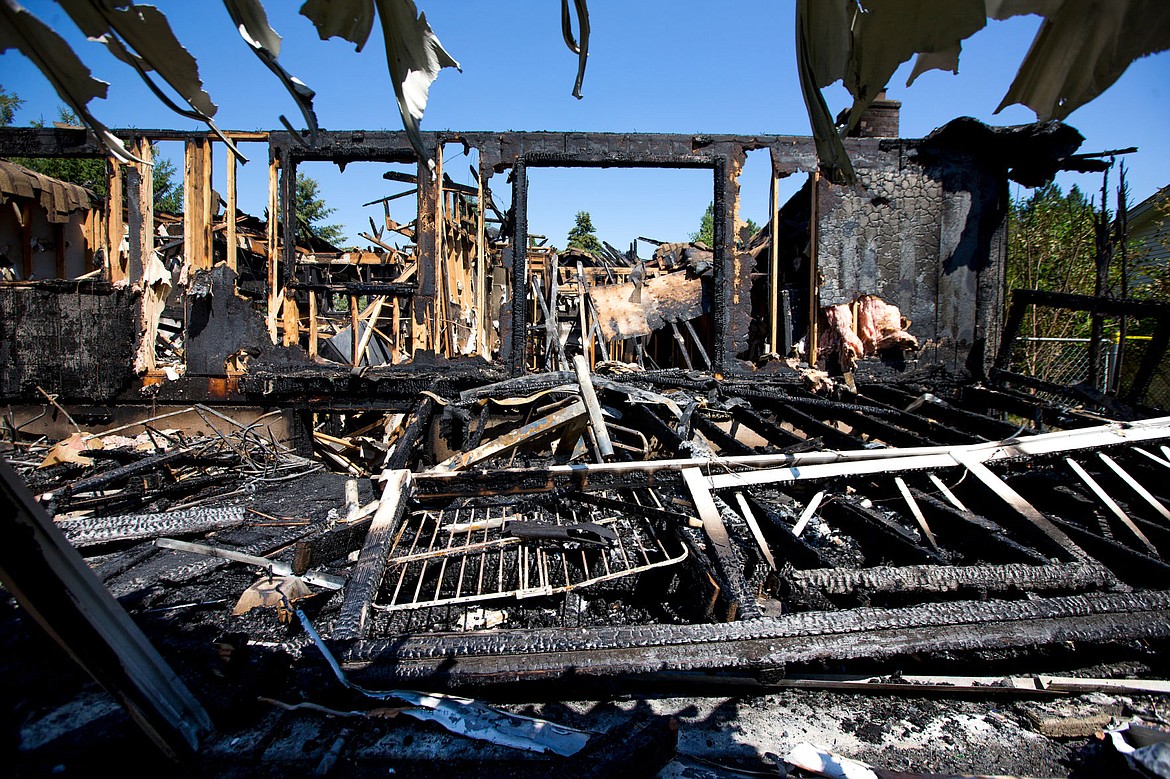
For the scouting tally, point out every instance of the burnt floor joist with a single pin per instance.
(760, 644)
(929, 407)
(1017, 572)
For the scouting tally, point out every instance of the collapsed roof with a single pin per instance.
(566, 471)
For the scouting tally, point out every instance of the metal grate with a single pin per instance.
(461, 555)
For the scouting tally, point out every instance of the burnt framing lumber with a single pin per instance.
(371, 565)
(59, 591)
(971, 579)
(758, 644)
(517, 153)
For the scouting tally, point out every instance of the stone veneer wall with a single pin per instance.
(927, 239)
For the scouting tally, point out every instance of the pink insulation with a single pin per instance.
(839, 337)
(882, 325)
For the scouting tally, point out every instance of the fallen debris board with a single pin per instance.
(366, 577)
(510, 441)
(670, 298)
(102, 530)
(62, 594)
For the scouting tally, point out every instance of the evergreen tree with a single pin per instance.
(706, 233)
(312, 212)
(9, 103)
(583, 236)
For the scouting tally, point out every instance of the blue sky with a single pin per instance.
(677, 66)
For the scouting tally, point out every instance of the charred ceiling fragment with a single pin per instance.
(862, 43)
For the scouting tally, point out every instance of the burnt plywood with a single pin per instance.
(623, 313)
(76, 340)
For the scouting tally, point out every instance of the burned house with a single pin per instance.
(564, 468)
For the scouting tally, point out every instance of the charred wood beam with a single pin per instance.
(776, 435)
(922, 423)
(984, 399)
(173, 567)
(894, 542)
(383, 387)
(121, 473)
(367, 574)
(726, 442)
(887, 424)
(731, 562)
(416, 425)
(1128, 564)
(671, 518)
(983, 532)
(738, 600)
(791, 394)
(59, 591)
(762, 643)
(1076, 502)
(728, 564)
(124, 561)
(672, 378)
(791, 549)
(481, 426)
(536, 430)
(1098, 306)
(520, 385)
(812, 426)
(1041, 527)
(706, 589)
(103, 530)
(955, 418)
(331, 545)
(1076, 393)
(923, 579)
(862, 423)
(651, 424)
(395, 289)
(517, 354)
(136, 493)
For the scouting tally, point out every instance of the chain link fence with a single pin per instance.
(1065, 361)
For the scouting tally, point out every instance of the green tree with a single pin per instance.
(583, 236)
(706, 233)
(168, 193)
(312, 212)
(9, 103)
(1051, 247)
(91, 173)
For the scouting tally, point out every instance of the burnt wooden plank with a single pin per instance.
(371, 565)
(764, 643)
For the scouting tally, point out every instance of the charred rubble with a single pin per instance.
(472, 464)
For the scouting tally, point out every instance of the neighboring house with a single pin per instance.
(47, 225)
(1149, 229)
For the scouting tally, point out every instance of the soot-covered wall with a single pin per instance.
(927, 236)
